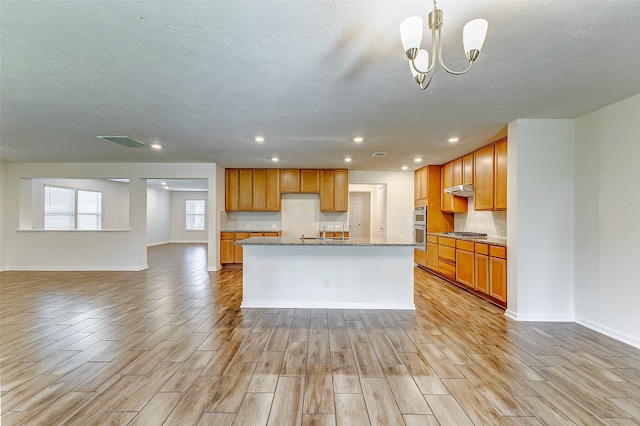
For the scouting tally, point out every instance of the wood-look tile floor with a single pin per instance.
(171, 346)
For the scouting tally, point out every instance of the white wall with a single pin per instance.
(179, 215)
(115, 200)
(103, 250)
(158, 216)
(4, 174)
(540, 215)
(607, 225)
(399, 198)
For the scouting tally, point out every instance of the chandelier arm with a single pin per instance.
(428, 82)
(444, 67)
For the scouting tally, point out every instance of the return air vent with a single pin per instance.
(379, 154)
(124, 141)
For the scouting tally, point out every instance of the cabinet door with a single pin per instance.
(273, 200)
(231, 190)
(450, 203)
(227, 251)
(498, 278)
(432, 256)
(464, 267)
(259, 189)
(340, 190)
(483, 178)
(456, 172)
(326, 190)
(467, 169)
(238, 249)
(500, 188)
(424, 176)
(246, 189)
(309, 180)
(482, 273)
(289, 180)
(416, 188)
(420, 257)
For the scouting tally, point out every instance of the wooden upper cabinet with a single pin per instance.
(334, 190)
(231, 190)
(326, 190)
(483, 178)
(450, 203)
(341, 190)
(467, 169)
(290, 180)
(272, 199)
(500, 178)
(245, 192)
(456, 172)
(259, 189)
(310, 180)
(420, 186)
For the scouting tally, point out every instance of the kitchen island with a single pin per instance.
(354, 273)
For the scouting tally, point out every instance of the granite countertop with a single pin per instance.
(251, 230)
(496, 241)
(289, 241)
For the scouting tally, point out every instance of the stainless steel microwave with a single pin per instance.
(420, 216)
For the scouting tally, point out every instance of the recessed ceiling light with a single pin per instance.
(275, 159)
(405, 167)
(452, 140)
(156, 145)
(163, 183)
(417, 160)
(358, 139)
(348, 159)
(259, 139)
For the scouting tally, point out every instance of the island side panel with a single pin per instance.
(359, 277)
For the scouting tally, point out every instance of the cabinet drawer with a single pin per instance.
(241, 235)
(270, 234)
(448, 253)
(432, 239)
(446, 268)
(256, 234)
(420, 257)
(482, 248)
(498, 251)
(450, 242)
(226, 235)
(464, 245)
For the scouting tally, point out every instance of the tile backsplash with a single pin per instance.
(492, 223)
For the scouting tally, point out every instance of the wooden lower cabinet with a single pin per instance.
(465, 261)
(420, 257)
(480, 267)
(231, 253)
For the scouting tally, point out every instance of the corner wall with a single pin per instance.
(607, 225)
(4, 173)
(540, 217)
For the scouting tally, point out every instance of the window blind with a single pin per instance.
(59, 208)
(89, 210)
(195, 215)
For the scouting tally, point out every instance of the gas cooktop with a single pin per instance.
(465, 234)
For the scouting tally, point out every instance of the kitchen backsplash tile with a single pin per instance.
(492, 223)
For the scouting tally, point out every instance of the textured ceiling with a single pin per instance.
(204, 78)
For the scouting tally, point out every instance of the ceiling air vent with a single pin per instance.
(379, 154)
(124, 141)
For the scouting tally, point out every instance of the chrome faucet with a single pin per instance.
(343, 225)
(323, 234)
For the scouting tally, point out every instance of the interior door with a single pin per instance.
(359, 214)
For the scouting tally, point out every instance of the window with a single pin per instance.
(195, 215)
(61, 205)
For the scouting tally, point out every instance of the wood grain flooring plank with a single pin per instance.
(57, 413)
(366, 360)
(230, 393)
(545, 413)
(448, 411)
(318, 420)
(479, 410)
(278, 338)
(188, 372)
(384, 349)
(251, 349)
(318, 395)
(145, 389)
(157, 409)
(357, 332)
(351, 410)
(286, 408)
(339, 339)
(190, 408)
(419, 420)
(437, 360)
(222, 360)
(405, 390)
(381, 405)
(319, 349)
(345, 373)
(425, 377)
(254, 409)
(217, 419)
(265, 376)
(295, 359)
(335, 318)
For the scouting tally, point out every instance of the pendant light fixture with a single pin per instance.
(473, 35)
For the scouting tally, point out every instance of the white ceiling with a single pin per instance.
(204, 78)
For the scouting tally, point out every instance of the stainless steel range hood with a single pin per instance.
(460, 190)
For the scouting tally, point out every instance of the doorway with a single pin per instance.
(359, 214)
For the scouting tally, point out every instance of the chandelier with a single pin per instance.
(473, 35)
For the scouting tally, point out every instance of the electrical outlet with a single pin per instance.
(327, 282)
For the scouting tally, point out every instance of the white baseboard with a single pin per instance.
(321, 305)
(538, 317)
(608, 331)
(187, 242)
(158, 244)
(76, 268)
(213, 268)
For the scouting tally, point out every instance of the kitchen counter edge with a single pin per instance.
(484, 240)
(351, 242)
